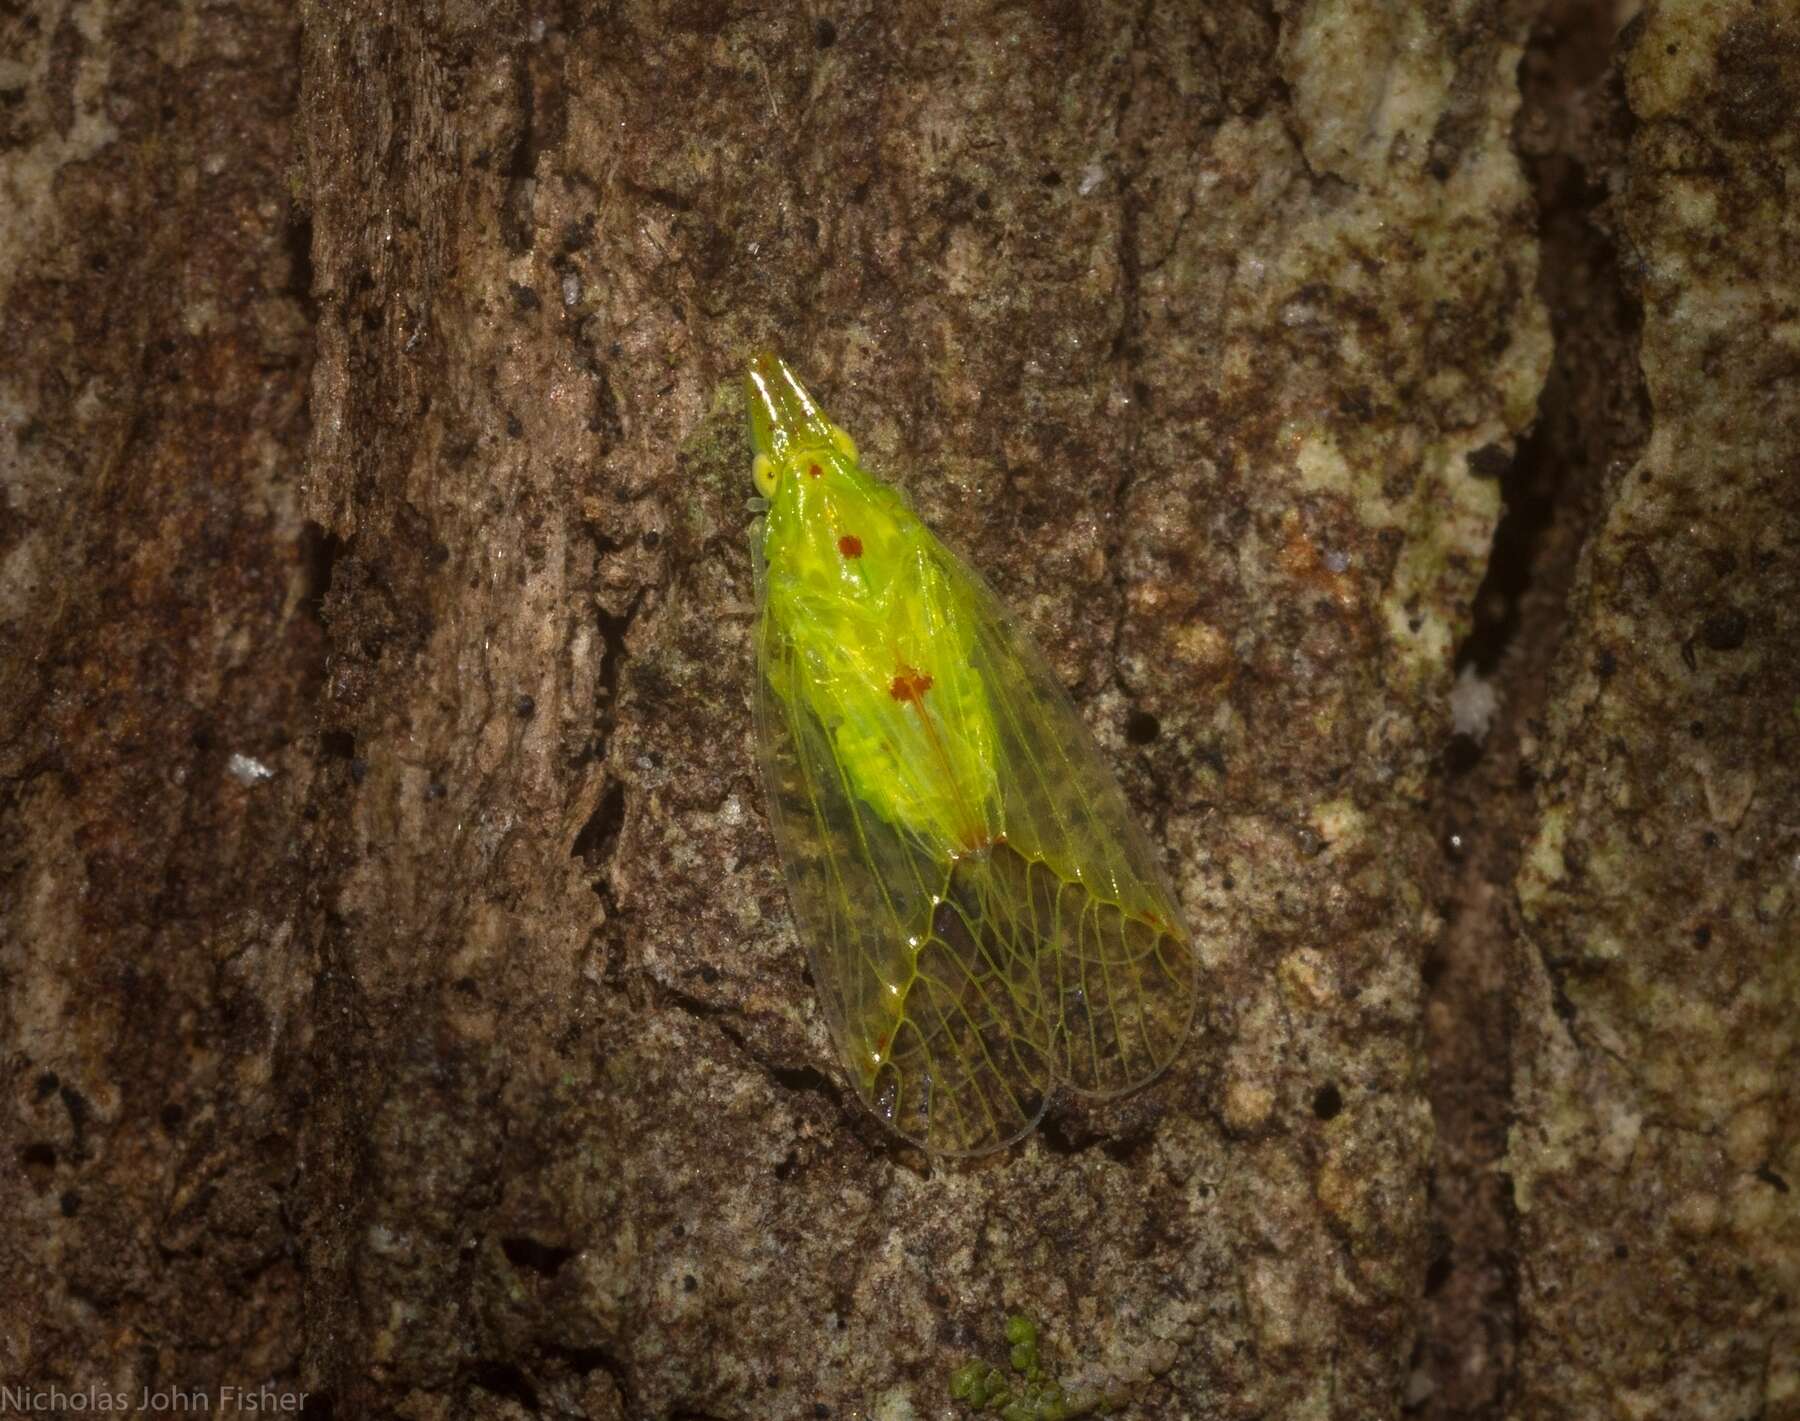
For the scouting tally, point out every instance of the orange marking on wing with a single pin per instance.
(909, 687)
(850, 545)
(813, 469)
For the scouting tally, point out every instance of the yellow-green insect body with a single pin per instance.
(983, 918)
(873, 622)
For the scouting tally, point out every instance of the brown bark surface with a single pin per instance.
(1654, 1147)
(401, 1007)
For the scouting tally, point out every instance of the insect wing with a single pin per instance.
(1089, 904)
(933, 1004)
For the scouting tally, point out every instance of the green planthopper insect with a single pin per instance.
(984, 919)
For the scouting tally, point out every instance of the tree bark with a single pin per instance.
(401, 1006)
(1654, 1150)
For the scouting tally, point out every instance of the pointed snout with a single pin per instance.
(783, 416)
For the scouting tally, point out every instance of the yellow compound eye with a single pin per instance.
(762, 469)
(845, 444)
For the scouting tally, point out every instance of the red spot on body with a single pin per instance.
(850, 545)
(813, 469)
(910, 685)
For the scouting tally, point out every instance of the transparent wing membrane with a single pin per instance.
(962, 988)
(970, 1069)
(1118, 973)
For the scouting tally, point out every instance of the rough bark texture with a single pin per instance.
(1655, 1143)
(157, 660)
(401, 1006)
